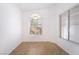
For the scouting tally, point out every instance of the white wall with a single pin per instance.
(70, 47)
(10, 27)
(48, 25)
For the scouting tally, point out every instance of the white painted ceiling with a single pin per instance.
(34, 6)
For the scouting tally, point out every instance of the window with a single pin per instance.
(69, 25)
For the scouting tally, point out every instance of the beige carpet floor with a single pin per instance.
(38, 48)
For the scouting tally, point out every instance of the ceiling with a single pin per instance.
(34, 6)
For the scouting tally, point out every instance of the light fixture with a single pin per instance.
(35, 16)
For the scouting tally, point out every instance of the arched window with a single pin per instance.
(36, 25)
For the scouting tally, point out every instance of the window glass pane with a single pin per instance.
(64, 25)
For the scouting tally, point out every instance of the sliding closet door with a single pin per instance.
(64, 25)
(74, 24)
